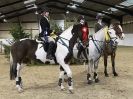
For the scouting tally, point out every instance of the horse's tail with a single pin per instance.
(13, 66)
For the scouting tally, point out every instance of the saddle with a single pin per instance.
(46, 45)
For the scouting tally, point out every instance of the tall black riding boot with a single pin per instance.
(79, 52)
(50, 50)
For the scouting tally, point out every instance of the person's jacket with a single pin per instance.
(98, 26)
(45, 27)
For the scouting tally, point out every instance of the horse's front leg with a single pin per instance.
(105, 66)
(67, 70)
(69, 75)
(113, 64)
(61, 78)
(89, 71)
(95, 71)
(18, 78)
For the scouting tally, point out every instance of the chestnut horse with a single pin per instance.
(110, 48)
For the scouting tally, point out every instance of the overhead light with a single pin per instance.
(74, 6)
(119, 6)
(112, 9)
(36, 12)
(4, 20)
(33, 6)
(2, 16)
(106, 12)
(28, 2)
(79, 1)
(67, 12)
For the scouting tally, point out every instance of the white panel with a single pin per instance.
(60, 23)
(128, 41)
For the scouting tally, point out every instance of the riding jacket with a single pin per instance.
(77, 34)
(45, 27)
(99, 26)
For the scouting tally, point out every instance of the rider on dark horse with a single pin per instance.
(81, 47)
(83, 28)
(46, 32)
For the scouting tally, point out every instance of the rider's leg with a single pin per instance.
(80, 51)
(50, 49)
(85, 54)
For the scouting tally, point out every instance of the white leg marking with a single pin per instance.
(61, 75)
(19, 87)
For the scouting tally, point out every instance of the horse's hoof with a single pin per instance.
(62, 88)
(71, 90)
(96, 80)
(20, 90)
(47, 62)
(106, 75)
(89, 82)
(115, 74)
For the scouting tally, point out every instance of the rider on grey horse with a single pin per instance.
(100, 24)
(46, 32)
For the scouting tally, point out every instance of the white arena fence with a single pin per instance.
(7, 42)
(128, 41)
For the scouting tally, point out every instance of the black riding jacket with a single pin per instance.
(45, 26)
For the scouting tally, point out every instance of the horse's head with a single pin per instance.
(116, 30)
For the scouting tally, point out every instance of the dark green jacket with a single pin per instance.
(98, 26)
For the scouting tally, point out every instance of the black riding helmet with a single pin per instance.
(45, 10)
(99, 16)
(80, 18)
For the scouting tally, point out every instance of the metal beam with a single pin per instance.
(71, 10)
(16, 10)
(79, 6)
(11, 3)
(110, 15)
(107, 20)
(20, 14)
(23, 8)
(105, 4)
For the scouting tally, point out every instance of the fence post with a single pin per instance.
(0, 46)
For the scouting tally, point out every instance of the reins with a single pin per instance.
(62, 42)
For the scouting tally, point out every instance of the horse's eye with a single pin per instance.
(110, 32)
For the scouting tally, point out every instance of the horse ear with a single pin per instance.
(111, 25)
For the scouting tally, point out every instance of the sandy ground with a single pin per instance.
(40, 82)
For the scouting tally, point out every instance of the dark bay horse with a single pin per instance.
(26, 49)
(110, 48)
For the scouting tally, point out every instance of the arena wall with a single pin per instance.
(30, 25)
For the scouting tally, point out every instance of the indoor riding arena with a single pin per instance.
(66, 49)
